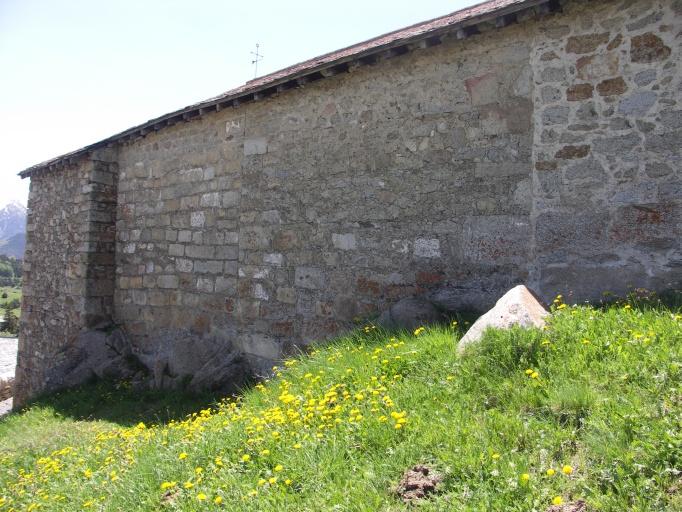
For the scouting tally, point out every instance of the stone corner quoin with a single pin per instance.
(545, 151)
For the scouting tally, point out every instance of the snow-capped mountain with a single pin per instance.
(13, 230)
(12, 220)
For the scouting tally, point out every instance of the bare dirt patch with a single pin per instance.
(417, 483)
(169, 497)
(574, 506)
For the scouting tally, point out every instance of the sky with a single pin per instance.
(73, 72)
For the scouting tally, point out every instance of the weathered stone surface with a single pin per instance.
(100, 354)
(638, 104)
(345, 242)
(516, 307)
(648, 48)
(550, 94)
(409, 314)
(592, 67)
(579, 92)
(572, 152)
(306, 277)
(586, 43)
(555, 115)
(255, 146)
(612, 86)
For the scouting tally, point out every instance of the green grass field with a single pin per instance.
(12, 294)
(588, 409)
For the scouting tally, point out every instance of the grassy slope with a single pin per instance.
(12, 293)
(321, 436)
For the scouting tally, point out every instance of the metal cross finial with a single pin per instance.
(258, 58)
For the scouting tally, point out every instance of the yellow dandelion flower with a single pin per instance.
(246, 457)
(182, 456)
(168, 485)
(218, 500)
(188, 485)
(525, 477)
(298, 446)
(201, 496)
(272, 480)
(557, 500)
(279, 468)
(534, 375)
(550, 472)
(262, 482)
(529, 371)
(567, 470)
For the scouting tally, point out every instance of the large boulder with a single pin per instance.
(516, 307)
(409, 314)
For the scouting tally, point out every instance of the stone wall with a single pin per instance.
(281, 222)
(68, 275)
(607, 178)
(545, 152)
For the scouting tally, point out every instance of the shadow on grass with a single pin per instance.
(116, 403)
(645, 300)
(122, 405)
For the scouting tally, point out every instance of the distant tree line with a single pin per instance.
(11, 322)
(10, 271)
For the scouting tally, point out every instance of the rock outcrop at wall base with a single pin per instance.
(182, 359)
(409, 314)
(96, 354)
(171, 360)
(516, 307)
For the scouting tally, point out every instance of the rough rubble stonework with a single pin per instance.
(545, 152)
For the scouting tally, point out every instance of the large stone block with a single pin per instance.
(311, 278)
(255, 146)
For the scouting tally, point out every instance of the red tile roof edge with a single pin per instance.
(476, 13)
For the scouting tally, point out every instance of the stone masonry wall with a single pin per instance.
(545, 152)
(68, 277)
(607, 180)
(281, 222)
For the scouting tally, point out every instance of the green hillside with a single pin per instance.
(588, 409)
(14, 246)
